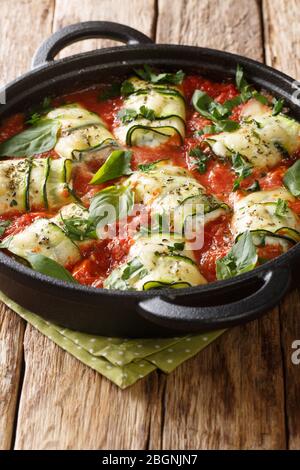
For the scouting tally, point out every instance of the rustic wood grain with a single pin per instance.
(64, 404)
(11, 354)
(282, 39)
(139, 14)
(230, 395)
(35, 18)
(282, 43)
(229, 25)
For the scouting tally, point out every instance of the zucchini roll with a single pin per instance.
(34, 184)
(160, 260)
(80, 131)
(151, 114)
(262, 139)
(267, 216)
(59, 238)
(172, 190)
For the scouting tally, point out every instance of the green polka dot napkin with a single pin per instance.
(121, 360)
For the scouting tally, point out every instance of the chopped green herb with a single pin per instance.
(3, 226)
(127, 88)
(253, 187)
(79, 229)
(13, 203)
(199, 159)
(113, 91)
(241, 258)
(127, 115)
(147, 113)
(281, 208)
(148, 74)
(242, 169)
(277, 106)
(149, 166)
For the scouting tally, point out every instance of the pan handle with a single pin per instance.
(86, 30)
(165, 312)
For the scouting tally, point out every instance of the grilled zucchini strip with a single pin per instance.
(34, 184)
(258, 212)
(59, 238)
(167, 106)
(80, 130)
(159, 259)
(168, 189)
(262, 139)
(46, 238)
(14, 185)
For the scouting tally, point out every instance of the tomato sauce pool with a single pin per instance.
(218, 178)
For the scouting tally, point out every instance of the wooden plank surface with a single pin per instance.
(282, 43)
(231, 395)
(35, 18)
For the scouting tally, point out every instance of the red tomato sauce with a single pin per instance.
(100, 257)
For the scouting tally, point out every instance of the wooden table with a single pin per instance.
(243, 390)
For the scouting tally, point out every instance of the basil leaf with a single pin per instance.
(148, 74)
(33, 119)
(291, 179)
(199, 159)
(216, 112)
(241, 168)
(117, 164)
(127, 88)
(241, 258)
(49, 267)
(78, 229)
(147, 113)
(120, 198)
(149, 166)
(127, 115)
(3, 226)
(281, 208)
(240, 79)
(277, 106)
(253, 187)
(37, 139)
(113, 91)
(133, 268)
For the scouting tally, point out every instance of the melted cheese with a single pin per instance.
(258, 212)
(261, 139)
(158, 263)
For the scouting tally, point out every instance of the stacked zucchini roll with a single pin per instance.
(152, 114)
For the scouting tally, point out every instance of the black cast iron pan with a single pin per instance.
(153, 313)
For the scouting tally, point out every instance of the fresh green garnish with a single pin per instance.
(147, 113)
(281, 208)
(149, 166)
(110, 92)
(3, 226)
(291, 179)
(133, 268)
(199, 159)
(79, 229)
(127, 115)
(214, 111)
(242, 169)
(49, 267)
(117, 164)
(148, 74)
(13, 203)
(38, 111)
(110, 204)
(127, 88)
(177, 246)
(277, 106)
(253, 187)
(241, 258)
(36, 139)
